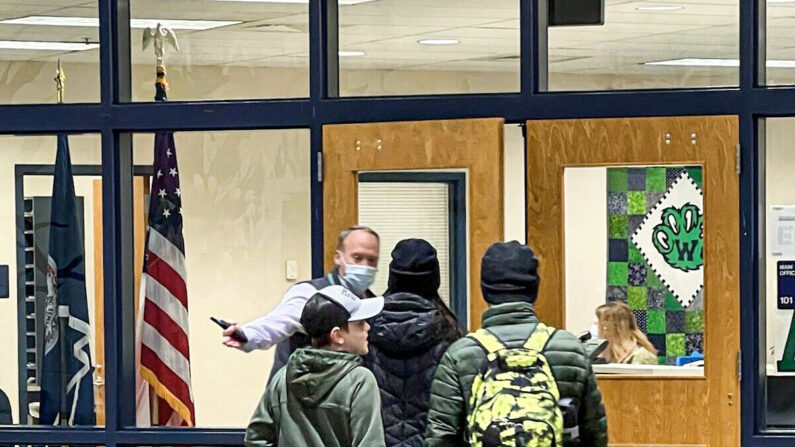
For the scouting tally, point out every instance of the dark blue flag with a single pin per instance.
(67, 390)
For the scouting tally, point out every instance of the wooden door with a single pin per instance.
(650, 410)
(474, 146)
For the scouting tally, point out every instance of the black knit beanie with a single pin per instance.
(508, 273)
(414, 268)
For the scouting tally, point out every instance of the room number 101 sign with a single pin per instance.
(786, 284)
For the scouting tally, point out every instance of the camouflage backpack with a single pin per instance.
(515, 397)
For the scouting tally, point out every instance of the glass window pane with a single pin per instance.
(228, 49)
(777, 283)
(620, 248)
(31, 352)
(779, 33)
(413, 47)
(34, 36)
(245, 212)
(645, 44)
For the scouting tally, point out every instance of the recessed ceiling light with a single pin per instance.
(196, 25)
(699, 62)
(46, 46)
(351, 53)
(438, 41)
(661, 8)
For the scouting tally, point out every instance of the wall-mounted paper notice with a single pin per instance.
(782, 230)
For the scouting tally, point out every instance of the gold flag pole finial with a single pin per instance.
(160, 37)
(60, 83)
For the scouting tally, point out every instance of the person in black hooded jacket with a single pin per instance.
(408, 339)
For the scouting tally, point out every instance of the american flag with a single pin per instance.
(163, 351)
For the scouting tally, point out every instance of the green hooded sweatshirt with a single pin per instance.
(320, 398)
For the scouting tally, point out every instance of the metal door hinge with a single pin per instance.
(738, 160)
(739, 366)
(320, 167)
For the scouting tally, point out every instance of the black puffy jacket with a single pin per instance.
(407, 340)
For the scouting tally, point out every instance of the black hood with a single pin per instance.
(409, 325)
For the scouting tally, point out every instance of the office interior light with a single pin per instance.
(699, 62)
(438, 41)
(351, 53)
(46, 46)
(661, 8)
(195, 25)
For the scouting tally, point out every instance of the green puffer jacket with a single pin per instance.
(512, 323)
(320, 398)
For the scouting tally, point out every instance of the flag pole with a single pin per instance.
(63, 320)
(63, 311)
(159, 36)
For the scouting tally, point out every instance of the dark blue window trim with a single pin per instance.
(114, 117)
(457, 233)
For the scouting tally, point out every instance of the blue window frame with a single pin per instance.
(115, 118)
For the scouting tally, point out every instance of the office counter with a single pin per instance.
(648, 370)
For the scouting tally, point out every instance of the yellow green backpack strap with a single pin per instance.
(487, 340)
(539, 338)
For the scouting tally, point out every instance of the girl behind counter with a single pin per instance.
(626, 342)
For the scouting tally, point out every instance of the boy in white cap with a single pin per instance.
(324, 397)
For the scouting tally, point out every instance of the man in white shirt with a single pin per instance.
(355, 263)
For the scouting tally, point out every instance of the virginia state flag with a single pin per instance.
(67, 390)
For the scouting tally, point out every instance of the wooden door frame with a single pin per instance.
(553, 145)
(419, 145)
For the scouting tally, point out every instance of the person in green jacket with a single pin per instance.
(509, 281)
(324, 396)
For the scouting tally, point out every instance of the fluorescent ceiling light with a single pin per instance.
(781, 1)
(661, 8)
(696, 62)
(341, 2)
(46, 46)
(351, 53)
(438, 41)
(195, 25)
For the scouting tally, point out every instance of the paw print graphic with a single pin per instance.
(679, 237)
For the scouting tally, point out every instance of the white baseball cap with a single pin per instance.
(359, 309)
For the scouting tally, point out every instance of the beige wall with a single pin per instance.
(514, 164)
(32, 82)
(246, 208)
(585, 230)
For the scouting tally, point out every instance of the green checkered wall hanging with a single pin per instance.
(655, 262)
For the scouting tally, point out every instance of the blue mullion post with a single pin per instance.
(752, 198)
(752, 46)
(114, 53)
(118, 262)
(324, 84)
(114, 31)
(534, 47)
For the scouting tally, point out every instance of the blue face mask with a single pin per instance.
(359, 277)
